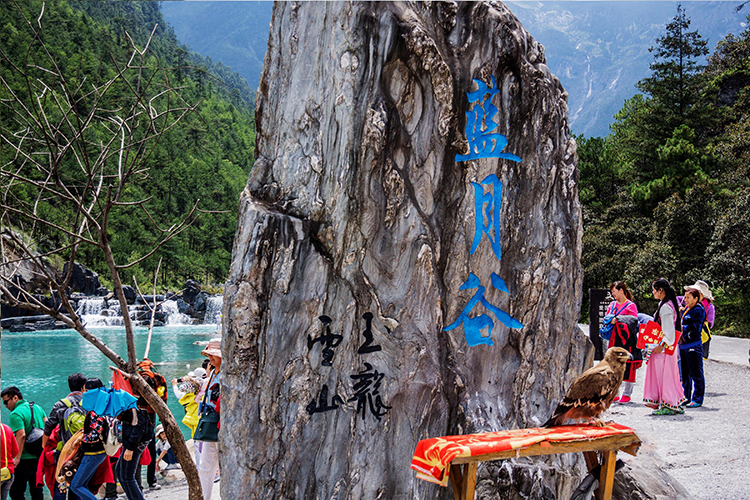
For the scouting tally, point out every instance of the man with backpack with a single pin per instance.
(25, 417)
(69, 415)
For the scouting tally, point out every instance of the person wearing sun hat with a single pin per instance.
(165, 451)
(206, 435)
(707, 299)
(199, 373)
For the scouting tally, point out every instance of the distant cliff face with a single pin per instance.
(599, 50)
(387, 285)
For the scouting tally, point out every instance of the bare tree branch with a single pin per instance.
(71, 151)
(151, 309)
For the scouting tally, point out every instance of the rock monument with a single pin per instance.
(407, 258)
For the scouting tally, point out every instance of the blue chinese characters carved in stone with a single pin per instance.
(480, 126)
(473, 326)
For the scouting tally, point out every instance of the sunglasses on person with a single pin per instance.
(6, 401)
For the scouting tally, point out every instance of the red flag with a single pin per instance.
(120, 382)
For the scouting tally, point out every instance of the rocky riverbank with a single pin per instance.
(98, 306)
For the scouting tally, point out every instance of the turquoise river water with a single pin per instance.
(39, 363)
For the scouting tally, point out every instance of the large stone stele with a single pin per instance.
(357, 205)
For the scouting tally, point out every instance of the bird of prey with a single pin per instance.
(592, 392)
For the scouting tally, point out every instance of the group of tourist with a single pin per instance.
(73, 451)
(674, 374)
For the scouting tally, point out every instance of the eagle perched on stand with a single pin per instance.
(592, 392)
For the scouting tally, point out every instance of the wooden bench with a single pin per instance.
(463, 469)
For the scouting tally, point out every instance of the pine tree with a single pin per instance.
(676, 82)
(655, 131)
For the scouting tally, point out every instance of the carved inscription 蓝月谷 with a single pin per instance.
(484, 143)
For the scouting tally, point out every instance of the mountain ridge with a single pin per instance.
(598, 50)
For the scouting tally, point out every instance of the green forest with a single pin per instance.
(207, 157)
(667, 193)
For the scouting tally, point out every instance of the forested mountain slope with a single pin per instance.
(235, 33)
(667, 193)
(207, 157)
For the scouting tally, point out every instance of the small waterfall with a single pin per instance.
(174, 316)
(93, 313)
(116, 311)
(90, 307)
(213, 310)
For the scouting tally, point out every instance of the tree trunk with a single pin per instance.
(359, 221)
(174, 436)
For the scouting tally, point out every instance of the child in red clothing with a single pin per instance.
(8, 450)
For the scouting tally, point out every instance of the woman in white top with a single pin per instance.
(662, 389)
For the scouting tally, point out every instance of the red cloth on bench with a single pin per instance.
(433, 456)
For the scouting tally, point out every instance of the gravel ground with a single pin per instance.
(174, 487)
(707, 450)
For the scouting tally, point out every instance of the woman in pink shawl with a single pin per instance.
(625, 335)
(663, 390)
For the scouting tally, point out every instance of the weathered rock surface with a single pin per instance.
(191, 289)
(130, 293)
(200, 301)
(356, 205)
(23, 274)
(645, 479)
(82, 279)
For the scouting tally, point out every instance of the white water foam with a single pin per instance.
(174, 316)
(213, 310)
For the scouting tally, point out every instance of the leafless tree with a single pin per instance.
(69, 150)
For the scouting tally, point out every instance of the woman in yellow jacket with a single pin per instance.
(185, 389)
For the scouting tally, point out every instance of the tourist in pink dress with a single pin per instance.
(663, 390)
(625, 335)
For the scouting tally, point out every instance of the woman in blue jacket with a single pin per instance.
(691, 349)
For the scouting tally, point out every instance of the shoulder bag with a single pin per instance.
(605, 331)
(70, 456)
(33, 442)
(208, 425)
(706, 338)
(5, 472)
(111, 441)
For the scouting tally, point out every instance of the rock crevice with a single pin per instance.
(356, 232)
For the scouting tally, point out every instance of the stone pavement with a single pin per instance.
(707, 449)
